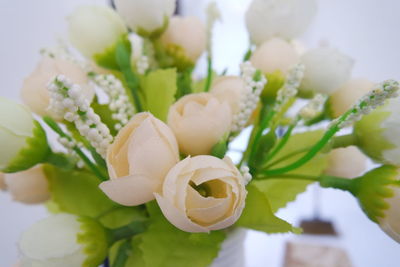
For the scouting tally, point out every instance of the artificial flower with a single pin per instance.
(95, 29)
(18, 133)
(199, 121)
(185, 35)
(326, 70)
(63, 240)
(230, 89)
(346, 162)
(347, 95)
(274, 55)
(34, 91)
(283, 18)
(202, 193)
(378, 133)
(146, 17)
(139, 158)
(29, 186)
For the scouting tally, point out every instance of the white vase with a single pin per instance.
(232, 250)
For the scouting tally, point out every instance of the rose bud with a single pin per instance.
(63, 240)
(203, 193)
(347, 95)
(377, 134)
(34, 91)
(95, 29)
(346, 162)
(274, 55)
(286, 19)
(230, 89)
(199, 121)
(23, 138)
(139, 158)
(326, 70)
(185, 38)
(148, 17)
(30, 186)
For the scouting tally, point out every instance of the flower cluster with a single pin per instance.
(118, 100)
(66, 101)
(254, 83)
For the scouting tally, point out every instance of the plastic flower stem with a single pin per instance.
(288, 156)
(259, 131)
(344, 141)
(122, 255)
(128, 231)
(332, 130)
(60, 160)
(123, 58)
(209, 74)
(54, 126)
(289, 176)
(282, 142)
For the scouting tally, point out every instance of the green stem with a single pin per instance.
(128, 231)
(344, 141)
(60, 160)
(288, 156)
(122, 254)
(281, 142)
(209, 74)
(54, 126)
(123, 55)
(341, 183)
(289, 176)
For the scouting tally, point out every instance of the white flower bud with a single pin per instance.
(346, 162)
(283, 18)
(326, 69)
(94, 29)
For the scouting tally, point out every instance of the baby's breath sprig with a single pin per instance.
(70, 145)
(313, 108)
(67, 101)
(142, 64)
(119, 103)
(254, 84)
(377, 97)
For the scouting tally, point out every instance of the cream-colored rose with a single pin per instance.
(273, 55)
(189, 33)
(203, 193)
(30, 186)
(138, 160)
(230, 89)
(346, 162)
(199, 121)
(347, 95)
(145, 16)
(34, 91)
(3, 185)
(94, 29)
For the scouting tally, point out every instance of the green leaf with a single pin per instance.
(282, 191)
(258, 215)
(121, 216)
(159, 88)
(77, 192)
(163, 245)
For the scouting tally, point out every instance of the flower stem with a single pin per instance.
(209, 74)
(122, 254)
(128, 231)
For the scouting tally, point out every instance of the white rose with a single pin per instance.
(347, 95)
(230, 89)
(34, 91)
(203, 193)
(145, 16)
(94, 29)
(16, 126)
(378, 133)
(273, 55)
(199, 121)
(138, 160)
(326, 70)
(188, 33)
(346, 162)
(55, 242)
(284, 18)
(30, 186)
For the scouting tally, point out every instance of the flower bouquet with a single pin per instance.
(129, 150)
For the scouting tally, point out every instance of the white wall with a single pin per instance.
(365, 29)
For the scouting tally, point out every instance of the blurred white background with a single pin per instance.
(365, 29)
